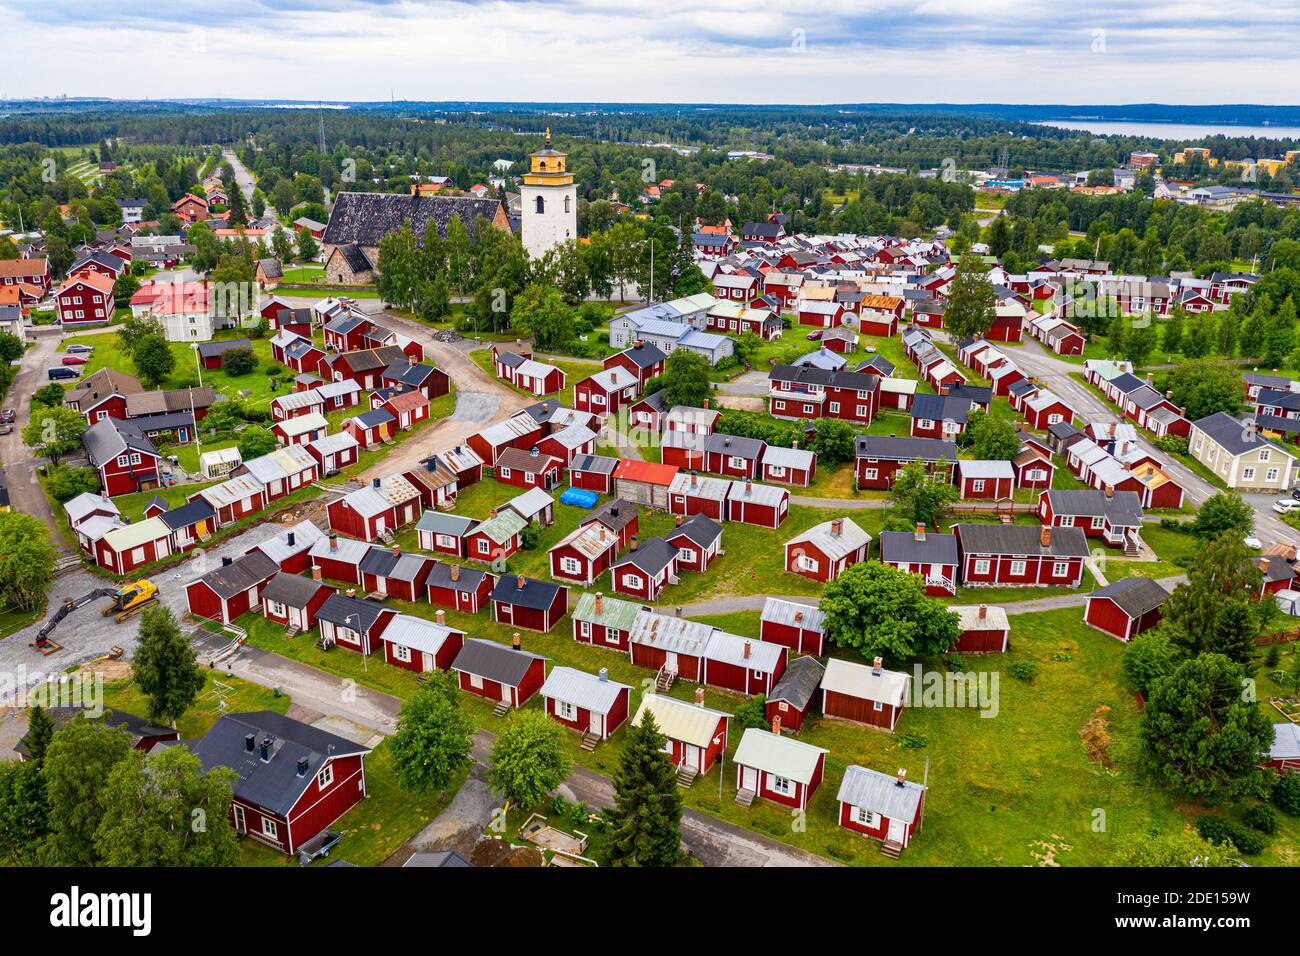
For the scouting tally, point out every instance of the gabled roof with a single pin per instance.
(699, 528)
(355, 614)
(904, 449)
(678, 720)
(792, 613)
(494, 661)
(861, 681)
(364, 218)
(1133, 596)
(833, 544)
(276, 784)
(526, 592)
(292, 590)
(588, 691)
(783, 756)
(417, 633)
(897, 547)
(1021, 539)
(1234, 437)
(880, 793)
(649, 556)
(243, 573)
(799, 683)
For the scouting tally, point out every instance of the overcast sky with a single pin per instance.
(744, 51)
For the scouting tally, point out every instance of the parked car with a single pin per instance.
(815, 335)
(6, 429)
(62, 371)
(1252, 542)
(1285, 506)
(74, 360)
(78, 349)
(8, 416)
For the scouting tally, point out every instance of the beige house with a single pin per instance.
(1240, 456)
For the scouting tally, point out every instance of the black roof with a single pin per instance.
(535, 594)
(891, 448)
(811, 375)
(293, 590)
(650, 556)
(354, 257)
(700, 528)
(356, 614)
(365, 218)
(734, 445)
(210, 349)
(1133, 596)
(138, 727)
(240, 575)
(904, 546)
(275, 784)
(468, 579)
(601, 464)
(940, 408)
(414, 373)
(187, 514)
(799, 683)
(976, 394)
(496, 662)
(1021, 539)
(645, 355)
(615, 514)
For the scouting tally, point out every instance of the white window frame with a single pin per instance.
(325, 777)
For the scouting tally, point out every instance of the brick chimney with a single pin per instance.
(520, 581)
(837, 527)
(798, 617)
(877, 666)
(516, 641)
(695, 479)
(441, 617)
(455, 572)
(902, 776)
(984, 611)
(334, 541)
(600, 603)
(632, 543)
(1045, 536)
(1109, 490)
(699, 697)
(920, 531)
(397, 551)
(747, 650)
(776, 724)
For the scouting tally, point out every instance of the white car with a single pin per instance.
(1284, 506)
(1253, 543)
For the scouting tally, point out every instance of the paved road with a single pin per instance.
(25, 492)
(243, 177)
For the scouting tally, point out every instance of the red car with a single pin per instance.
(74, 360)
(814, 336)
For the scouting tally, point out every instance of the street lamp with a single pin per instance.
(365, 642)
(198, 445)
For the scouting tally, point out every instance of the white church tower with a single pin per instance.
(549, 202)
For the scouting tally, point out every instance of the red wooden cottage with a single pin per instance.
(984, 629)
(416, 644)
(884, 808)
(508, 676)
(698, 541)
(696, 735)
(865, 695)
(772, 767)
(467, 590)
(989, 480)
(226, 592)
(793, 625)
(584, 554)
(825, 550)
(932, 557)
(294, 600)
(1125, 608)
(792, 699)
(528, 603)
(591, 704)
(355, 623)
(995, 555)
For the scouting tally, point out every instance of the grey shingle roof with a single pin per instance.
(904, 449)
(903, 546)
(650, 556)
(365, 218)
(1021, 539)
(356, 614)
(1231, 435)
(293, 590)
(1133, 596)
(494, 661)
(799, 683)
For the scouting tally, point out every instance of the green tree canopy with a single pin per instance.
(879, 610)
(645, 821)
(529, 758)
(164, 666)
(433, 739)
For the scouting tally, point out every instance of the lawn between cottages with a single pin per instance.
(574, 372)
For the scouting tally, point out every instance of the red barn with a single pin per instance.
(591, 704)
(416, 644)
(697, 736)
(825, 550)
(778, 768)
(1125, 608)
(865, 695)
(793, 625)
(528, 603)
(294, 780)
(507, 676)
(884, 808)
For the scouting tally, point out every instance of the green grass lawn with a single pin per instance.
(239, 696)
(574, 372)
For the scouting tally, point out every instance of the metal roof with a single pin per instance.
(129, 536)
(676, 634)
(614, 612)
(588, 691)
(809, 617)
(880, 793)
(859, 680)
(494, 661)
(824, 539)
(678, 720)
(783, 756)
(417, 633)
(743, 651)
(294, 590)
(994, 618)
(756, 494)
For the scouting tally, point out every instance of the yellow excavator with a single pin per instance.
(127, 601)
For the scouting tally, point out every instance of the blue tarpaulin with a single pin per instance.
(580, 497)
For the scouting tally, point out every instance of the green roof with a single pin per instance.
(503, 526)
(614, 613)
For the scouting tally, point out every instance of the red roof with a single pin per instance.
(650, 472)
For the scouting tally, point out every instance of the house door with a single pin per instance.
(240, 826)
(691, 756)
(749, 779)
(897, 831)
(295, 617)
(380, 526)
(670, 661)
(597, 725)
(505, 695)
(426, 662)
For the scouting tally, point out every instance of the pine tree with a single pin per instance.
(164, 667)
(40, 731)
(647, 815)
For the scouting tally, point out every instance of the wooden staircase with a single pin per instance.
(290, 630)
(686, 776)
(664, 680)
(501, 709)
(892, 849)
(745, 797)
(589, 741)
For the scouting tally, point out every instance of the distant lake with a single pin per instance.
(1179, 131)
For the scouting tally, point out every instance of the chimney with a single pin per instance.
(334, 541)
(455, 572)
(351, 592)
(706, 403)
(227, 562)
(265, 750)
(441, 617)
(726, 441)
(837, 527)
(902, 776)
(1263, 565)
(984, 611)
(520, 582)
(534, 452)
(920, 531)
(374, 483)
(1110, 491)
(749, 488)
(699, 697)
(695, 479)
(430, 464)
(877, 665)
(1151, 377)
(289, 539)
(302, 766)
(516, 642)
(1123, 449)
(397, 551)
(776, 724)
(798, 617)
(795, 444)
(747, 650)
(678, 521)
(1045, 536)
(316, 572)
(250, 742)
(613, 511)
(600, 603)
(632, 544)
(603, 675)
(1113, 426)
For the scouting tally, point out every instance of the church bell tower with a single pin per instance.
(549, 201)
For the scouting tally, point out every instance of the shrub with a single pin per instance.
(1024, 670)
(1262, 818)
(1247, 842)
(912, 741)
(239, 361)
(64, 483)
(528, 538)
(1286, 793)
(1172, 444)
(753, 712)
(1223, 830)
